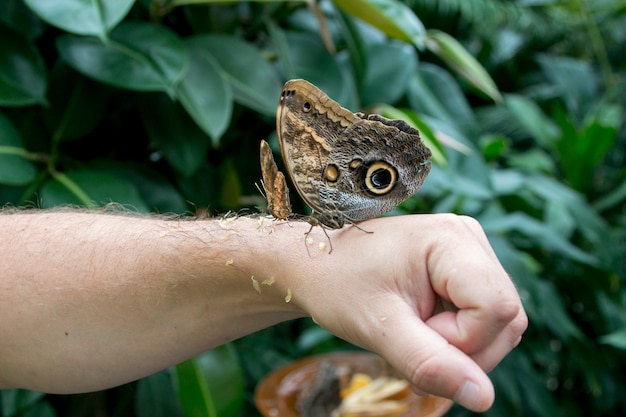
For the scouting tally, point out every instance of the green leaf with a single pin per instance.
(139, 56)
(576, 81)
(458, 58)
(308, 59)
(432, 91)
(22, 71)
(84, 17)
(15, 168)
(231, 186)
(538, 232)
(258, 89)
(617, 339)
(222, 371)
(16, 15)
(90, 188)
(204, 93)
(533, 120)
(382, 66)
(581, 151)
(392, 17)
(41, 409)
(553, 312)
(156, 397)
(77, 104)
(182, 142)
(211, 384)
(193, 391)
(16, 401)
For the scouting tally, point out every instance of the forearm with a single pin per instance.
(86, 297)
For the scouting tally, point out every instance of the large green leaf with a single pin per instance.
(538, 232)
(458, 58)
(82, 17)
(16, 401)
(575, 80)
(254, 80)
(90, 188)
(533, 120)
(580, 151)
(156, 397)
(211, 384)
(204, 93)
(182, 142)
(392, 17)
(432, 91)
(15, 168)
(41, 409)
(77, 104)
(382, 66)
(16, 15)
(139, 56)
(22, 71)
(308, 59)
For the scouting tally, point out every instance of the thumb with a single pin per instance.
(432, 365)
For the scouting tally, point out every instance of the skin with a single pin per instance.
(93, 300)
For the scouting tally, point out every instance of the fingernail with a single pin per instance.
(468, 395)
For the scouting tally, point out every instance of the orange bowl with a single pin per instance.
(277, 394)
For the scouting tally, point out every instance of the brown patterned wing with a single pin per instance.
(274, 185)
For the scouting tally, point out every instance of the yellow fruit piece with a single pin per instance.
(357, 381)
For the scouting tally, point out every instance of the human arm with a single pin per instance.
(93, 300)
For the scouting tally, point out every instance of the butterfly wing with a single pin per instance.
(344, 166)
(274, 184)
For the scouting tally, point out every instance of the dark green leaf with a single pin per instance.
(381, 67)
(182, 142)
(257, 89)
(231, 186)
(156, 397)
(575, 80)
(15, 169)
(539, 232)
(204, 93)
(41, 409)
(22, 72)
(16, 401)
(16, 15)
(139, 56)
(222, 371)
(553, 313)
(211, 384)
(533, 120)
(90, 188)
(390, 16)
(457, 57)
(86, 17)
(309, 60)
(432, 91)
(194, 395)
(77, 104)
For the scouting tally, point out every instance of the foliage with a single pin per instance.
(159, 106)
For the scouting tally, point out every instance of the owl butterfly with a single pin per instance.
(348, 167)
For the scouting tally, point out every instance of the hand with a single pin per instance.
(382, 290)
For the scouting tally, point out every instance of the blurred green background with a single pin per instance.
(160, 106)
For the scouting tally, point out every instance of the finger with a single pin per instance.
(489, 354)
(488, 304)
(432, 364)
